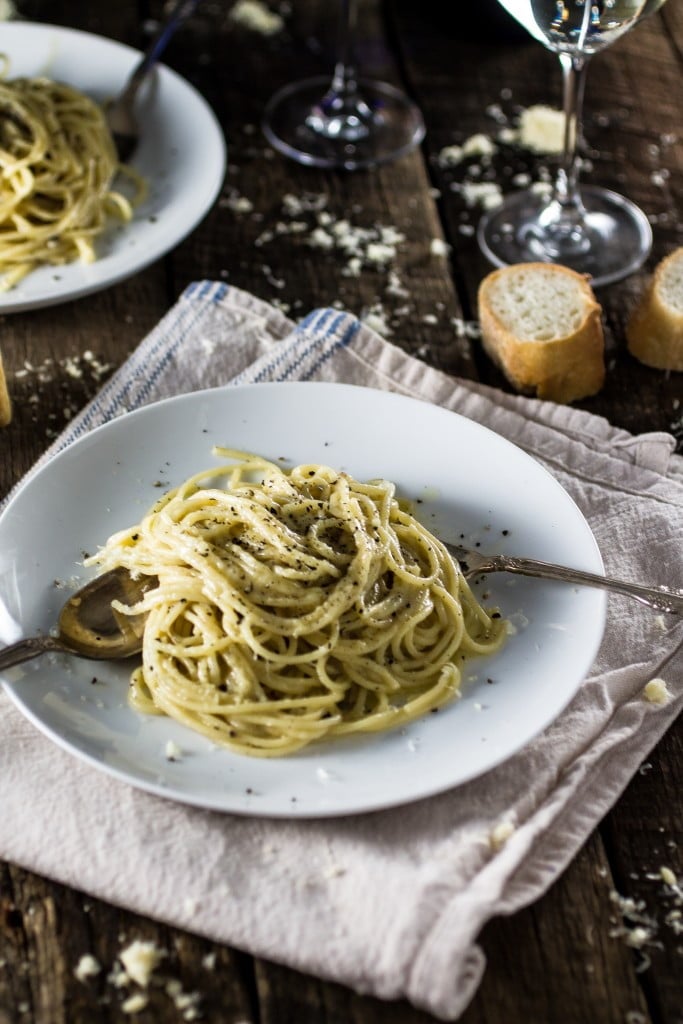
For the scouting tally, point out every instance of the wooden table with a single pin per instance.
(556, 961)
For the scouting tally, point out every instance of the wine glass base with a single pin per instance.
(615, 241)
(385, 125)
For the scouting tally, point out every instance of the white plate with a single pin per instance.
(469, 481)
(181, 155)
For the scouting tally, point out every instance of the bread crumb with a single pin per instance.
(657, 692)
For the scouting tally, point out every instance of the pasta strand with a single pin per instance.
(57, 165)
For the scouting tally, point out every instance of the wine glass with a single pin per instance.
(348, 122)
(591, 229)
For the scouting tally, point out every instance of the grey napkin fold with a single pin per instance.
(390, 903)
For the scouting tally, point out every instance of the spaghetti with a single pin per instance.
(57, 165)
(294, 604)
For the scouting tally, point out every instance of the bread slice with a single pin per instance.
(654, 331)
(5, 406)
(541, 323)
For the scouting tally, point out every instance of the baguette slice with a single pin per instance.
(654, 331)
(541, 324)
(5, 406)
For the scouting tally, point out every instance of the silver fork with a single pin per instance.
(120, 112)
(475, 563)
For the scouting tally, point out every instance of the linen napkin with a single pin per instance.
(390, 903)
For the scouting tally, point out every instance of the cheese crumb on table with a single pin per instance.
(134, 1003)
(437, 247)
(657, 692)
(476, 145)
(255, 15)
(487, 194)
(140, 959)
(87, 967)
(668, 876)
(541, 129)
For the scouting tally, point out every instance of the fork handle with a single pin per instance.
(26, 649)
(180, 12)
(661, 598)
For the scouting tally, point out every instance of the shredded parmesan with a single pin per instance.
(657, 692)
(541, 129)
(255, 15)
(140, 959)
(500, 834)
(134, 1003)
(87, 967)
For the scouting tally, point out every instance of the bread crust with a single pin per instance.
(5, 404)
(654, 330)
(563, 369)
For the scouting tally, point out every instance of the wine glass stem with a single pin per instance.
(344, 78)
(342, 113)
(566, 191)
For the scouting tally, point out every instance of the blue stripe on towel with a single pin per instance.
(316, 333)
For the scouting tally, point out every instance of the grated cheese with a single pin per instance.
(87, 967)
(668, 876)
(487, 194)
(476, 145)
(140, 959)
(500, 834)
(134, 1003)
(541, 129)
(657, 692)
(437, 247)
(255, 15)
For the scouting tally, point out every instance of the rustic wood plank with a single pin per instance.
(46, 928)
(643, 835)
(565, 936)
(413, 292)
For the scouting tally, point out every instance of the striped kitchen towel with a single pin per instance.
(390, 903)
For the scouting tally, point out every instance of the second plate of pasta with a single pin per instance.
(179, 165)
(460, 482)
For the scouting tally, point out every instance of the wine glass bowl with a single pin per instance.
(321, 126)
(344, 122)
(591, 229)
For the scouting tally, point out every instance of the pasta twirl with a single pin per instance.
(295, 604)
(57, 165)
